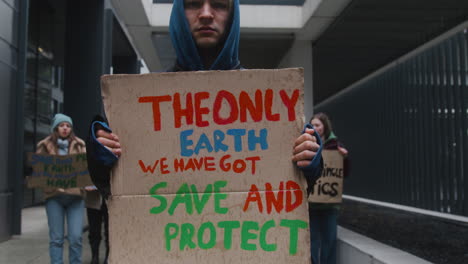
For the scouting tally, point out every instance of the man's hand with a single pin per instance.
(110, 141)
(305, 148)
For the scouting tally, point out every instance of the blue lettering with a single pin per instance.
(184, 143)
(189, 147)
(237, 134)
(218, 141)
(254, 140)
(37, 158)
(203, 143)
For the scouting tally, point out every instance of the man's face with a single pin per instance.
(207, 20)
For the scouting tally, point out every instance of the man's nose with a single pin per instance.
(206, 10)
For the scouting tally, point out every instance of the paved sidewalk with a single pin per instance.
(32, 246)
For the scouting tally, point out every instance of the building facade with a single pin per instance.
(53, 54)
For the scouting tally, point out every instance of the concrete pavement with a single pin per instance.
(32, 246)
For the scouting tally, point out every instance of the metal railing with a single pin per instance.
(406, 128)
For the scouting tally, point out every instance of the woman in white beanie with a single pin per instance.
(63, 203)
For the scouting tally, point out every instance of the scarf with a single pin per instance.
(62, 146)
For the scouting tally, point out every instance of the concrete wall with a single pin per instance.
(355, 248)
(300, 55)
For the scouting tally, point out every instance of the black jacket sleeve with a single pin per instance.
(100, 159)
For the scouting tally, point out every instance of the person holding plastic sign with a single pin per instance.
(63, 203)
(205, 35)
(323, 217)
(96, 210)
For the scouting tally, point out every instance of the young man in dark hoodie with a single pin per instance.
(205, 35)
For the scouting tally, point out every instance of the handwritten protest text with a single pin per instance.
(193, 110)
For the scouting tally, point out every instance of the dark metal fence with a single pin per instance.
(407, 130)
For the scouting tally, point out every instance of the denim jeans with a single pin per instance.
(323, 226)
(57, 208)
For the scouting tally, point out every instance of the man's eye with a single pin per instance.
(220, 5)
(193, 4)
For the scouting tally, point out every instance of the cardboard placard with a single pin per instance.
(55, 171)
(205, 174)
(329, 187)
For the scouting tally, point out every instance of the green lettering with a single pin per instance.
(163, 202)
(246, 235)
(73, 183)
(169, 235)
(58, 183)
(50, 182)
(182, 196)
(201, 231)
(219, 196)
(263, 233)
(64, 184)
(228, 226)
(200, 204)
(293, 226)
(186, 236)
(81, 157)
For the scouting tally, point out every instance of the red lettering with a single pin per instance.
(155, 100)
(179, 164)
(253, 159)
(268, 105)
(296, 189)
(290, 103)
(222, 165)
(198, 163)
(190, 165)
(271, 200)
(200, 111)
(245, 103)
(239, 166)
(254, 196)
(209, 166)
(203, 163)
(163, 166)
(233, 113)
(145, 168)
(179, 112)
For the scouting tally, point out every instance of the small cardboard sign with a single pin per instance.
(329, 187)
(55, 171)
(205, 174)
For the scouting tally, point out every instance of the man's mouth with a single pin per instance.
(206, 30)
